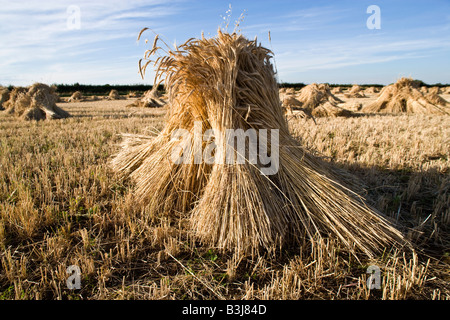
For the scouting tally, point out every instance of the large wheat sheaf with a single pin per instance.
(228, 82)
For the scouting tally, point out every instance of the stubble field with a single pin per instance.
(61, 205)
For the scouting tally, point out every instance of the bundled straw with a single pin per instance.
(77, 96)
(293, 108)
(133, 94)
(336, 90)
(371, 90)
(36, 103)
(433, 97)
(289, 91)
(15, 94)
(355, 92)
(318, 99)
(404, 96)
(4, 96)
(151, 99)
(228, 82)
(435, 90)
(114, 95)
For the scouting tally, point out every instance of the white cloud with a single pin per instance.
(341, 53)
(36, 44)
(34, 36)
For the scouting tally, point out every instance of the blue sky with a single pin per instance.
(313, 41)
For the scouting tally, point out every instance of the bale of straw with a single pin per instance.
(228, 82)
(297, 113)
(18, 101)
(113, 95)
(44, 99)
(405, 96)
(77, 96)
(320, 102)
(4, 96)
(9, 105)
(435, 90)
(293, 108)
(329, 110)
(133, 94)
(151, 99)
(315, 94)
(371, 90)
(336, 90)
(35, 103)
(434, 98)
(34, 114)
(289, 91)
(290, 101)
(355, 92)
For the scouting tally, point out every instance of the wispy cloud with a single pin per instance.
(341, 53)
(34, 36)
(307, 39)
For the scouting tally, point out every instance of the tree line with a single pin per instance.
(103, 90)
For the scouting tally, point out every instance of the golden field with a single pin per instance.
(61, 205)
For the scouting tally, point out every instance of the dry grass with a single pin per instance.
(60, 205)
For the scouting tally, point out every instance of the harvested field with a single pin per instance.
(205, 151)
(61, 205)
